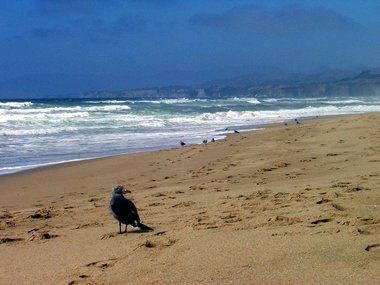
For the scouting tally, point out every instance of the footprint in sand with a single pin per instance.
(359, 221)
(42, 236)
(231, 218)
(160, 194)
(338, 207)
(323, 201)
(95, 199)
(41, 214)
(283, 221)
(204, 223)
(196, 187)
(10, 240)
(6, 218)
(364, 231)
(332, 154)
(155, 204)
(321, 221)
(108, 236)
(159, 241)
(371, 246)
(68, 207)
(87, 225)
(103, 264)
(355, 189)
(183, 204)
(340, 185)
(152, 187)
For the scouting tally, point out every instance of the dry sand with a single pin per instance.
(295, 204)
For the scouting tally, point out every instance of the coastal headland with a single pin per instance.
(288, 204)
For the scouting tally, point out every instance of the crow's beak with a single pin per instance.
(126, 191)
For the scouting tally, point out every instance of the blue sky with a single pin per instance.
(72, 46)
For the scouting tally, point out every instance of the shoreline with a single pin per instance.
(281, 205)
(152, 149)
(64, 140)
(243, 129)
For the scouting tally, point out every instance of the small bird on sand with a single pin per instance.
(236, 132)
(182, 143)
(124, 210)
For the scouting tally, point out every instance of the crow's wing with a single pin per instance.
(124, 210)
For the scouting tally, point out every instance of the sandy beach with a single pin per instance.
(289, 204)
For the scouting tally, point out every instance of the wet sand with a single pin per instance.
(295, 204)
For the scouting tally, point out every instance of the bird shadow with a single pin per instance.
(115, 234)
(134, 231)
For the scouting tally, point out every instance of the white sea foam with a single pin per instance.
(213, 119)
(108, 102)
(36, 131)
(30, 118)
(71, 109)
(303, 99)
(58, 116)
(175, 101)
(172, 101)
(254, 101)
(270, 100)
(343, 101)
(90, 108)
(316, 111)
(16, 104)
(250, 100)
(108, 108)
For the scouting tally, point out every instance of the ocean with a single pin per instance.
(34, 133)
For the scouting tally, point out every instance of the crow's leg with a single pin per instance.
(125, 228)
(119, 227)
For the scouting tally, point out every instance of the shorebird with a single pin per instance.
(236, 132)
(124, 210)
(182, 143)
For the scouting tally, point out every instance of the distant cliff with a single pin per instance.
(366, 83)
(363, 82)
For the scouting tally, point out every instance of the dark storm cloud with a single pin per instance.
(290, 19)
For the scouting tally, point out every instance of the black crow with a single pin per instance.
(124, 210)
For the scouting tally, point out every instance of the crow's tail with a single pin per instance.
(143, 227)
